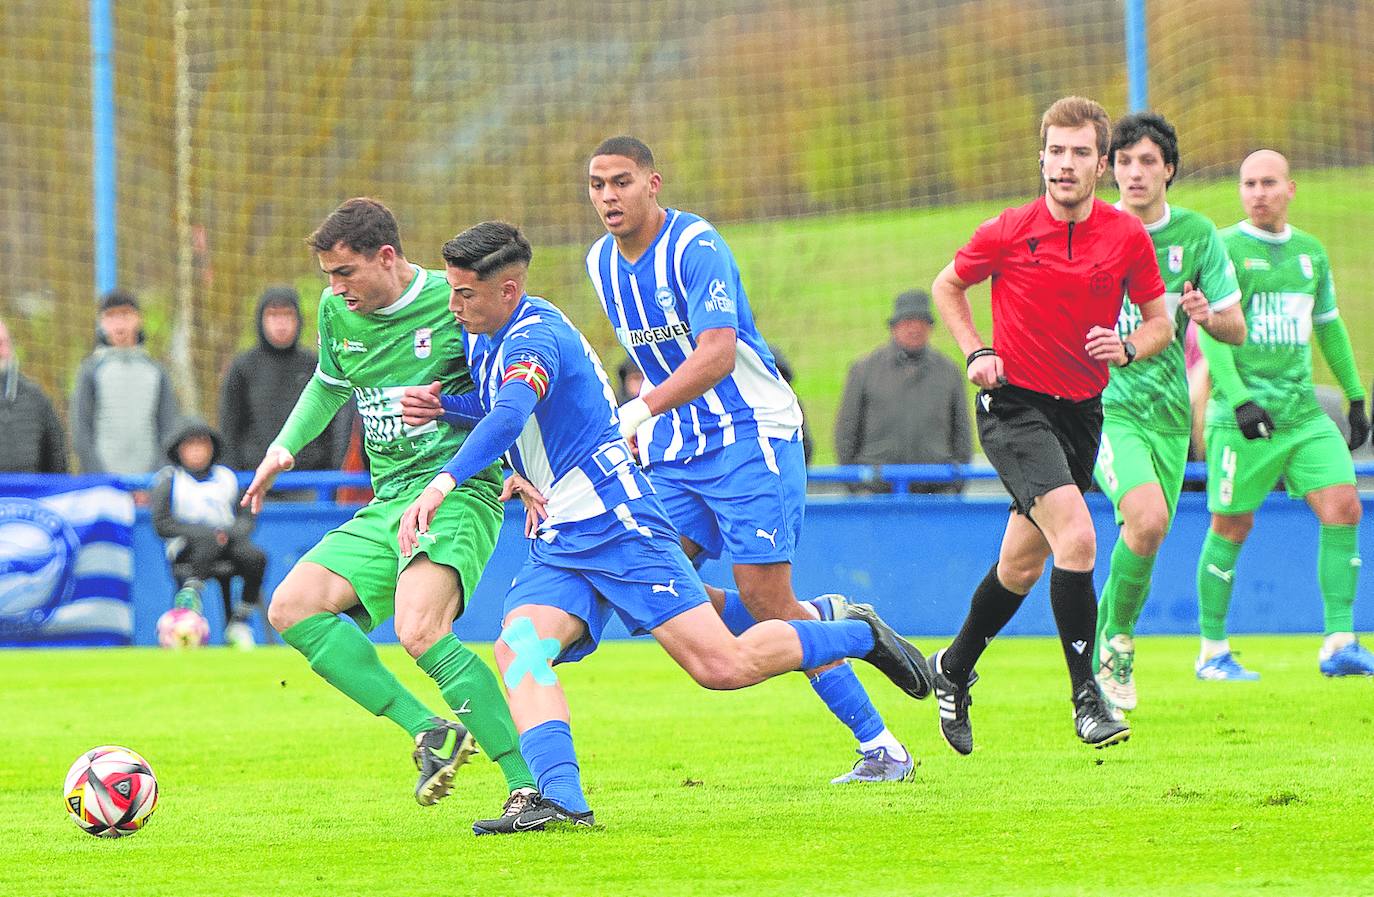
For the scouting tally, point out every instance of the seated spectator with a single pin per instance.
(33, 439)
(263, 384)
(124, 408)
(905, 403)
(195, 509)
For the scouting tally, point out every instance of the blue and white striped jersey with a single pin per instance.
(570, 448)
(687, 282)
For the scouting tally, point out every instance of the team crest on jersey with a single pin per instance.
(424, 341)
(1100, 283)
(664, 297)
(528, 371)
(1305, 263)
(1176, 259)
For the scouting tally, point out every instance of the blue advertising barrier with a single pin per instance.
(917, 558)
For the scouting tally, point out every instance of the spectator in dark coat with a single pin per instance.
(904, 402)
(31, 437)
(263, 384)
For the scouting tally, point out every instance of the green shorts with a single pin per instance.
(1131, 455)
(363, 550)
(1309, 456)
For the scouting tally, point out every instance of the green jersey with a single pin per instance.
(1154, 391)
(411, 342)
(1286, 288)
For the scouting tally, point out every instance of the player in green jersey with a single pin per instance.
(1263, 420)
(385, 325)
(1145, 407)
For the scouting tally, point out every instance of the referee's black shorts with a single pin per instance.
(1038, 442)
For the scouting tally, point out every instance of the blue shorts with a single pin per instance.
(746, 500)
(630, 564)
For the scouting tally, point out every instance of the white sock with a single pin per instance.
(1211, 648)
(885, 739)
(1335, 642)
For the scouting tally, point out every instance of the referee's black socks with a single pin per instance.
(1074, 601)
(993, 605)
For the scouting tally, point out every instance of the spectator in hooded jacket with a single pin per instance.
(195, 508)
(33, 439)
(263, 384)
(124, 408)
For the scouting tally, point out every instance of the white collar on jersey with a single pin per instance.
(417, 283)
(1263, 235)
(1156, 226)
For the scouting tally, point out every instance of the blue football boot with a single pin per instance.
(1352, 660)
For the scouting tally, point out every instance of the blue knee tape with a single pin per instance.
(533, 655)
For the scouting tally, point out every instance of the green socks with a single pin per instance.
(1128, 585)
(470, 688)
(343, 656)
(1338, 571)
(1216, 573)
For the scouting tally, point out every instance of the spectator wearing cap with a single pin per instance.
(263, 384)
(904, 402)
(33, 440)
(123, 408)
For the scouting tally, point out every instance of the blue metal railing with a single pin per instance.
(324, 482)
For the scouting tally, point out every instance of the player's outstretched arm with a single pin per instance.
(950, 293)
(536, 511)
(710, 362)
(492, 436)
(422, 404)
(1334, 340)
(1252, 419)
(274, 462)
(1227, 325)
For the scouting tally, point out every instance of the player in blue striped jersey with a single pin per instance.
(606, 545)
(716, 425)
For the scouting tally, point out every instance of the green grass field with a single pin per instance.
(822, 288)
(272, 784)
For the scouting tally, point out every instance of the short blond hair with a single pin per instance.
(1074, 112)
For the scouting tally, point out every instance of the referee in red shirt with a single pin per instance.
(1059, 267)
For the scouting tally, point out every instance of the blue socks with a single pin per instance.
(736, 616)
(823, 643)
(839, 688)
(548, 749)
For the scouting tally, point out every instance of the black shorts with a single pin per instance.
(1038, 442)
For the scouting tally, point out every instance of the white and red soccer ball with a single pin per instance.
(110, 792)
(182, 627)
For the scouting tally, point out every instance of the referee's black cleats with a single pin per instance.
(540, 815)
(897, 658)
(953, 699)
(1094, 720)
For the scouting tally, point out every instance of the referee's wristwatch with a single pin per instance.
(1129, 348)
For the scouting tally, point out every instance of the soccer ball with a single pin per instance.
(110, 792)
(182, 627)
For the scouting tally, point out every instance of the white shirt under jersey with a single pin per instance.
(685, 283)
